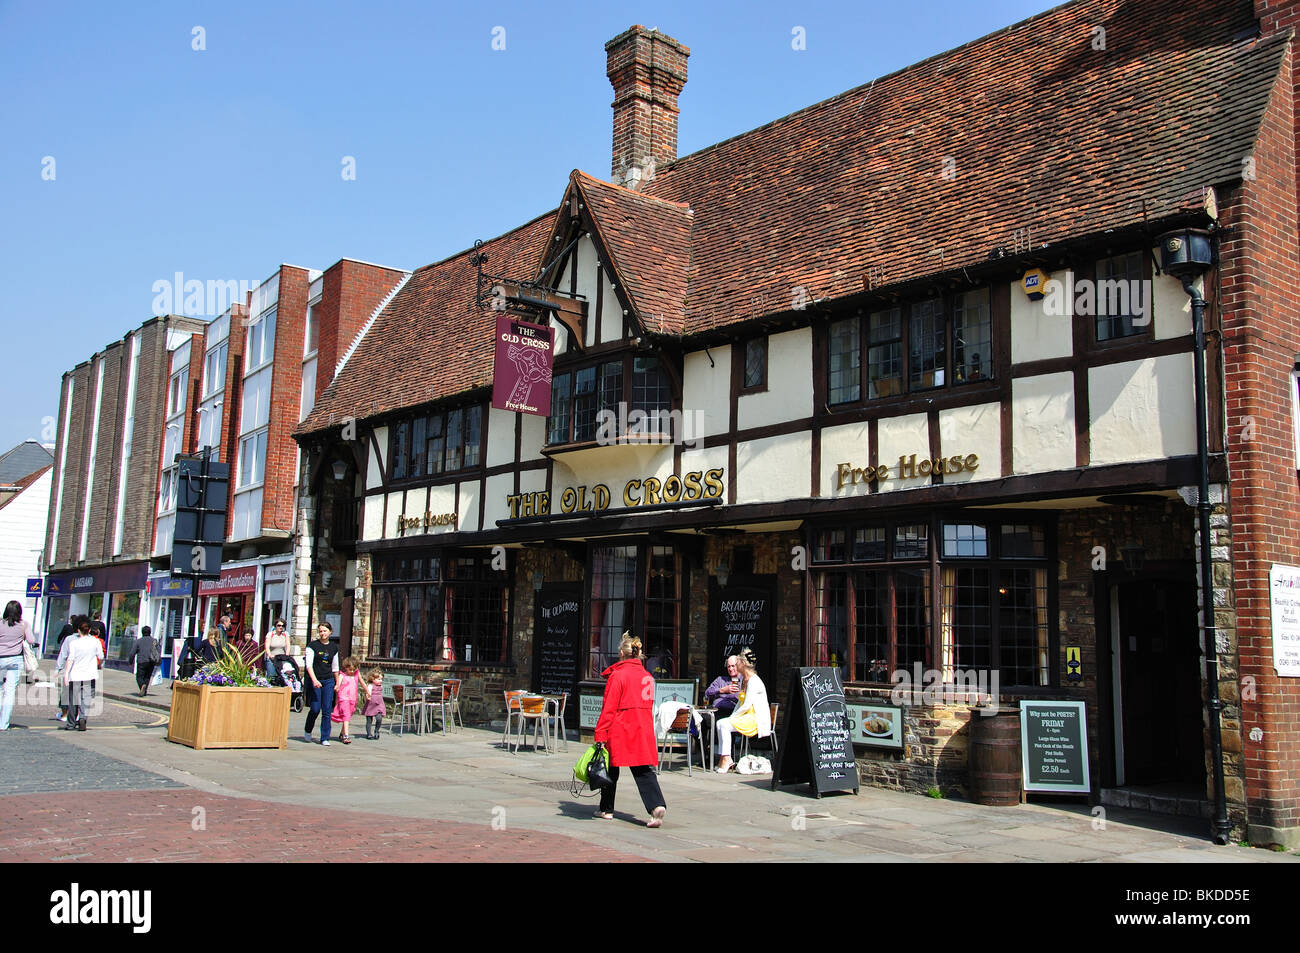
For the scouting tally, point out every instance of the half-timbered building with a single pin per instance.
(903, 383)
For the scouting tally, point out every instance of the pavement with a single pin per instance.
(462, 796)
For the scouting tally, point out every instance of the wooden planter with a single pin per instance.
(208, 716)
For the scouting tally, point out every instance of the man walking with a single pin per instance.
(145, 655)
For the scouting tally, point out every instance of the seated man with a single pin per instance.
(721, 693)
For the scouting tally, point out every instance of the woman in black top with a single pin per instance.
(322, 667)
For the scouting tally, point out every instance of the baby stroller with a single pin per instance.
(282, 674)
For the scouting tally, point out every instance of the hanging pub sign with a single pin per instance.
(521, 370)
(814, 743)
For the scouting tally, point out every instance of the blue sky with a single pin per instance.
(223, 162)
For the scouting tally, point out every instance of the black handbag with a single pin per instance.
(598, 771)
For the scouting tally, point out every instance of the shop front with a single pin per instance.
(115, 593)
(170, 602)
(234, 594)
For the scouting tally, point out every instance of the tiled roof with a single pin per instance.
(430, 341)
(932, 167)
(649, 240)
(23, 460)
(1096, 115)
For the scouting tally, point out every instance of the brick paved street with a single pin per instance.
(430, 797)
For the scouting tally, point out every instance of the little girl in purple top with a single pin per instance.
(374, 709)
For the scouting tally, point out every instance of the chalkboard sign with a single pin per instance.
(557, 633)
(814, 743)
(741, 617)
(1054, 746)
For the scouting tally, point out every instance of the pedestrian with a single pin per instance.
(626, 728)
(84, 658)
(375, 708)
(210, 649)
(98, 631)
(146, 657)
(248, 648)
(13, 633)
(348, 689)
(322, 668)
(69, 628)
(61, 666)
(277, 651)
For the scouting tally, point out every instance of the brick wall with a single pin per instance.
(647, 70)
(351, 290)
(1259, 301)
(278, 493)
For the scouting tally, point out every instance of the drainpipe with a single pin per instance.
(311, 569)
(1221, 826)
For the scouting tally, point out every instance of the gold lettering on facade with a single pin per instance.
(909, 467)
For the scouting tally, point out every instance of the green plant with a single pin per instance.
(231, 671)
(934, 792)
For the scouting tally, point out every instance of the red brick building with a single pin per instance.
(935, 417)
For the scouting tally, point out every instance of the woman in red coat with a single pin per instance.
(626, 728)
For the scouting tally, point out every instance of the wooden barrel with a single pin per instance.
(993, 761)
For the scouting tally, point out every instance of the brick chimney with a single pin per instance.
(647, 70)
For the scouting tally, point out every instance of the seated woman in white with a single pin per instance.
(752, 716)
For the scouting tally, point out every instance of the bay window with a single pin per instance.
(617, 387)
(432, 444)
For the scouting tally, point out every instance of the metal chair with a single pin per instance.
(681, 725)
(533, 708)
(451, 701)
(513, 714)
(743, 745)
(406, 706)
(555, 718)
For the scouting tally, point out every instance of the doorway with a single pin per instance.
(1156, 680)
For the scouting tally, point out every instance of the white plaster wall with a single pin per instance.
(394, 511)
(532, 438)
(1173, 309)
(773, 469)
(708, 389)
(1141, 410)
(467, 519)
(789, 383)
(901, 436)
(612, 466)
(611, 318)
(534, 481)
(846, 444)
(374, 461)
(607, 325)
(372, 518)
(498, 488)
(1042, 423)
(1035, 334)
(501, 436)
(976, 429)
(713, 458)
(442, 499)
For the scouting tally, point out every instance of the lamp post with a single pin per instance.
(1187, 254)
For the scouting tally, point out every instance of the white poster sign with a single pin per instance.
(1284, 597)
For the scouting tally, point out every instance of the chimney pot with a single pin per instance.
(647, 70)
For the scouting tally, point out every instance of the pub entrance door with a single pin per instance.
(1156, 679)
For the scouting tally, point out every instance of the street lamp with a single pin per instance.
(1187, 254)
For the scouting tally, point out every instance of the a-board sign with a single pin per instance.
(557, 639)
(814, 742)
(1054, 746)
